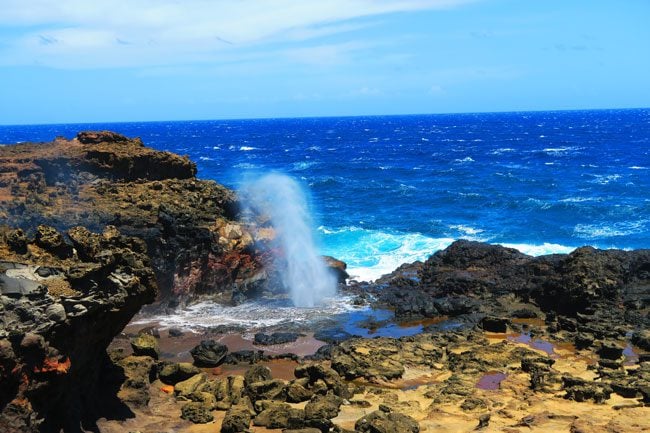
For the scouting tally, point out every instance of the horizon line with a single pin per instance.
(326, 116)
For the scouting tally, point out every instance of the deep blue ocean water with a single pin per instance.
(391, 189)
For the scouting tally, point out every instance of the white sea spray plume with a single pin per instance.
(303, 271)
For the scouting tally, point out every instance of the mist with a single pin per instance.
(304, 273)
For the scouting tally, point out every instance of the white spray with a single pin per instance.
(304, 273)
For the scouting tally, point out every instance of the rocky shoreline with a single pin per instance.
(98, 226)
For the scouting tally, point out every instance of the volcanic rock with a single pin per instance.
(209, 353)
(59, 312)
(103, 178)
(275, 338)
(196, 412)
(237, 420)
(381, 421)
(172, 373)
(145, 345)
(280, 415)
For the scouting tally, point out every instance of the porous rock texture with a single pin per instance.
(193, 238)
(61, 304)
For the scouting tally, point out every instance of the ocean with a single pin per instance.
(385, 190)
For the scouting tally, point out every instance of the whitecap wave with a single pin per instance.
(467, 230)
(605, 179)
(370, 254)
(303, 165)
(540, 250)
(502, 150)
(246, 166)
(247, 148)
(373, 253)
(597, 231)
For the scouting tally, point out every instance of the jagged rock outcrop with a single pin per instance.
(59, 309)
(581, 289)
(193, 239)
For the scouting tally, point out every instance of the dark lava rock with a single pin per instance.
(196, 412)
(642, 339)
(337, 267)
(52, 241)
(96, 137)
(102, 178)
(610, 350)
(17, 241)
(583, 340)
(262, 339)
(237, 420)
(53, 341)
(297, 393)
(380, 421)
(241, 356)
(257, 373)
(524, 313)
(495, 324)
(280, 415)
(582, 390)
(323, 407)
(272, 389)
(209, 353)
(172, 373)
(175, 333)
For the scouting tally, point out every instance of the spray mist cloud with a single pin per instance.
(304, 274)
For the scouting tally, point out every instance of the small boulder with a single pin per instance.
(237, 420)
(196, 412)
(642, 339)
(262, 339)
(17, 241)
(52, 241)
(495, 324)
(280, 415)
(610, 350)
(257, 373)
(209, 353)
(273, 389)
(381, 421)
(297, 393)
(55, 312)
(187, 387)
(139, 371)
(145, 345)
(173, 373)
(323, 407)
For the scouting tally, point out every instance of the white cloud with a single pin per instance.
(116, 33)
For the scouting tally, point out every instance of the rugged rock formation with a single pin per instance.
(103, 178)
(589, 290)
(60, 307)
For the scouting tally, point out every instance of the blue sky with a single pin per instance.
(67, 61)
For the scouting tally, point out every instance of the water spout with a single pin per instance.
(303, 271)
